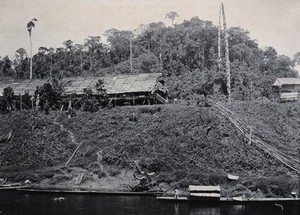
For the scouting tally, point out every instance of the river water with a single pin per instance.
(15, 202)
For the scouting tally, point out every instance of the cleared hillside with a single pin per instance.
(181, 144)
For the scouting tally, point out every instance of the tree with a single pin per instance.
(101, 92)
(296, 58)
(8, 96)
(92, 44)
(49, 96)
(119, 42)
(172, 15)
(30, 25)
(89, 102)
(21, 63)
(6, 67)
(79, 51)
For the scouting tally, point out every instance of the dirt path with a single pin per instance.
(73, 139)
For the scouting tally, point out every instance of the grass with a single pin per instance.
(182, 144)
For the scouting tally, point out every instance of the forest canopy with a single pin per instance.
(185, 53)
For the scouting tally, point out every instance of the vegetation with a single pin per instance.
(197, 146)
(186, 54)
(29, 26)
(181, 144)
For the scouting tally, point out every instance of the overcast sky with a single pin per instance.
(272, 22)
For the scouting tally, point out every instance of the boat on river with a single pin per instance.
(211, 194)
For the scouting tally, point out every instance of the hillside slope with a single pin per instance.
(181, 144)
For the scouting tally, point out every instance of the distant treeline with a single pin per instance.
(186, 54)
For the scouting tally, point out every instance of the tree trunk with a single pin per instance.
(219, 41)
(130, 56)
(227, 56)
(91, 62)
(30, 76)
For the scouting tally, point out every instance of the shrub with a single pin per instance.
(113, 172)
(150, 109)
(280, 186)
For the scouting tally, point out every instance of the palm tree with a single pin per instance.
(172, 15)
(30, 25)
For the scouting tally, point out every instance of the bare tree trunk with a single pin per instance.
(160, 62)
(130, 55)
(91, 62)
(219, 41)
(81, 61)
(30, 76)
(227, 56)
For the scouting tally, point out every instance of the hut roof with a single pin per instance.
(22, 86)
(113, 84)
(195, 188)
(286, 81)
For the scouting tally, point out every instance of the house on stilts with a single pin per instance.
(129, 89)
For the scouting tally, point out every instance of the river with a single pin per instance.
(19, 203)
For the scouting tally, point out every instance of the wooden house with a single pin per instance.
(144, 88)
(287, 89)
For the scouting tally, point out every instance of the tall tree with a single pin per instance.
(296, 58)
(30, 25)
(6, 67)
(92, 44)
(21, 63)
(172, 15)
(119, 42)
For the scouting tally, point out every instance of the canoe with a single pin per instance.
(172, 198)
(85, 191)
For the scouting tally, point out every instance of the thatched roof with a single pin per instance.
(286, 81)
(113, 84)
(22, 86)
(197, 188)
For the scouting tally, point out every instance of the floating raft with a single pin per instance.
(205, 193)
(233, 200)
(10, 186)
(172, 198)
(212, 194)
(82, 191)
(260, 200)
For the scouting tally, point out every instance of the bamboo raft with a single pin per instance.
(233, 200)
(211, 194)
(13, 186)
(87, 191)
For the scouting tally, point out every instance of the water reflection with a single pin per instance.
(205, 211)
(176, 209)
(31, 204)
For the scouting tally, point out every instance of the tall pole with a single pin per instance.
(219, 40)
(130, 55)
(227, 56)
(30, 56)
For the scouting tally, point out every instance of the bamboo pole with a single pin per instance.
(287, 160)
(74, 153)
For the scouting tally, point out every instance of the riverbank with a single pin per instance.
(180, 144)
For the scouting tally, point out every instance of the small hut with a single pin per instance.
(287, 89)
(204, 193)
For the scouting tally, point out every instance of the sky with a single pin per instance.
(273, 23)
